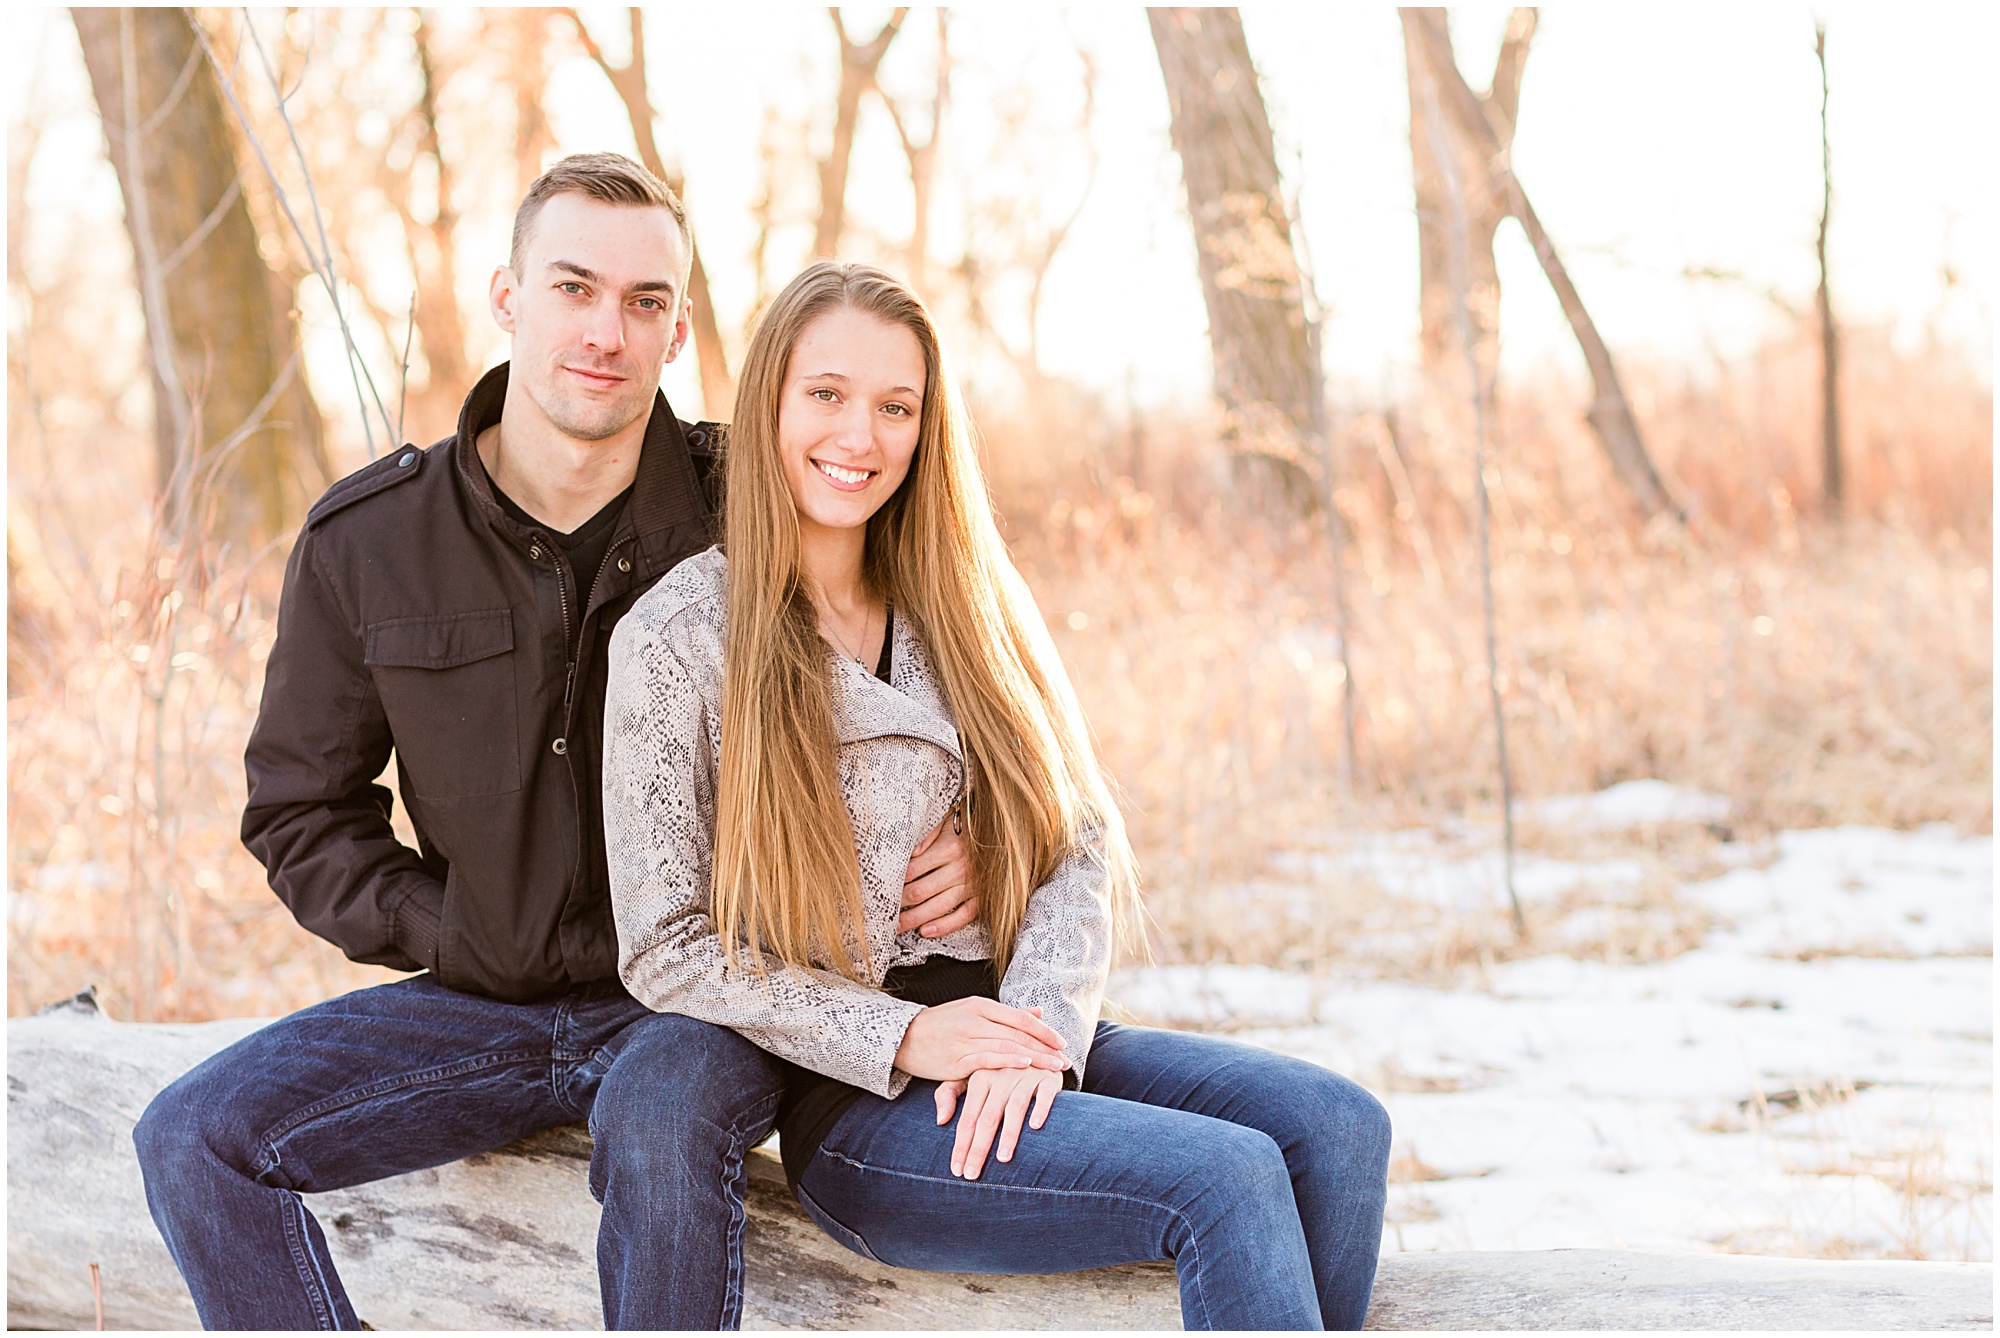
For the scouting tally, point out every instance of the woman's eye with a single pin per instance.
(898, 410)
(822, 394)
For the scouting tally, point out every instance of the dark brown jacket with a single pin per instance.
(418, 616)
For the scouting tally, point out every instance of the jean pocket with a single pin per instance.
(833, 1228)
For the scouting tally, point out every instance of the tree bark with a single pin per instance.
(858, 64)
(440, 324)
(718, 387)
(528, 73)
(1485, 205)
(1832, 487)
(233, 418)
(1610, 413)
(1265, 374)
(923, 158)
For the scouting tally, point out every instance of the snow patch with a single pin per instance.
(1628, 804)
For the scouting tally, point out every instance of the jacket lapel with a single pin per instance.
(911, 704)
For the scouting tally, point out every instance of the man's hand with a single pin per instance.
(955, 1039)
(995, 1100)
(937, 889)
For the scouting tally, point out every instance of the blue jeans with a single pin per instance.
(411, 1075)
(1263, 1178)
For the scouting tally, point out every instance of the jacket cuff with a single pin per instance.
(419, 918)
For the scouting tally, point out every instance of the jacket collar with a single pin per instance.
(665, 493)
(910, 704)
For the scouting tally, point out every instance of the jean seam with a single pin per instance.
(735, 1175)
(343, 1100)
(310, 1278)
(1194, 1240)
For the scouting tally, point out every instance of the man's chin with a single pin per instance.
(594, 422)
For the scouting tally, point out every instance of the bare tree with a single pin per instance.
(433, 248)
(524, 33)
(858, 65)
(1484, 203)
(230, 402)
(922, 156)
(1610, 413)
(1832, 487)
(1265, 373)
(718, 388)
(1011, 231)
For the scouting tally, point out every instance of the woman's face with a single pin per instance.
(848, 416)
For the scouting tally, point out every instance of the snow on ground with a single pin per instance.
(1816, 1078)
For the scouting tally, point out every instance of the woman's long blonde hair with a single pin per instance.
(787, 881)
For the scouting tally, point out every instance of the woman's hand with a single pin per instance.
(956, 1039)
(995, 1099)
(937, 887)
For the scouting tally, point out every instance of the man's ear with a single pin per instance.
(501, 295)
(682, 325)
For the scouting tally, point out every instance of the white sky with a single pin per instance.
(1650, 139)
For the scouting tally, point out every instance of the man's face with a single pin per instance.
(596, 311)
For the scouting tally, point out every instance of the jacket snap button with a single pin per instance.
(624, 564)
(409, 458)
(560, 747)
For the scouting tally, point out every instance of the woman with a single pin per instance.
(785, 725)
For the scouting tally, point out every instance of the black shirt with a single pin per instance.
(583, 548)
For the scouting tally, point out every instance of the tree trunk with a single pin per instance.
(233, 418)
(528, 74)
(434, 262)
(1485, 205)
(1265, 374)
(1832, 488)
(1610, 413)
(923, 159)
(718, 388)
(858, 64)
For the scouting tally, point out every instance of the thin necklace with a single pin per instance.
(867, 621)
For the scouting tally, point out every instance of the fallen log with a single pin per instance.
(506, 1240)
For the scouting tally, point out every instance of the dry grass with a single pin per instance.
(1815, 674)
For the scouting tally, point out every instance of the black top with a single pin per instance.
(812, 1102)
(584, 548)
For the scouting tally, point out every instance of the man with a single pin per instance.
(453, 605)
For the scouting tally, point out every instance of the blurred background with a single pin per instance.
(1513, 488)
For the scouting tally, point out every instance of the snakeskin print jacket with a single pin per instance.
(900, 772)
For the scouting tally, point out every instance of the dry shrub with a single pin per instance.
(1814, 673)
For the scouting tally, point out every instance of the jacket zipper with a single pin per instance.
(572, 659)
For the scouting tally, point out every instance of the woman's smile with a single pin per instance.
(845, 479)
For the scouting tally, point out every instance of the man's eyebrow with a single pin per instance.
(591, 276)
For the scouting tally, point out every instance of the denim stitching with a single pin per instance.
(1194, 1241)
(734, 1176)
(813, 1205)
(343, 1100)
(310, 1279)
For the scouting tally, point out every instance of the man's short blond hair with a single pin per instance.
(610, 177)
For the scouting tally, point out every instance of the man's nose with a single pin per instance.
(604, 326)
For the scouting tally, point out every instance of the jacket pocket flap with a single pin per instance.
(440, 642)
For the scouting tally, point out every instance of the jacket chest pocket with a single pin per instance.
(446, 683)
